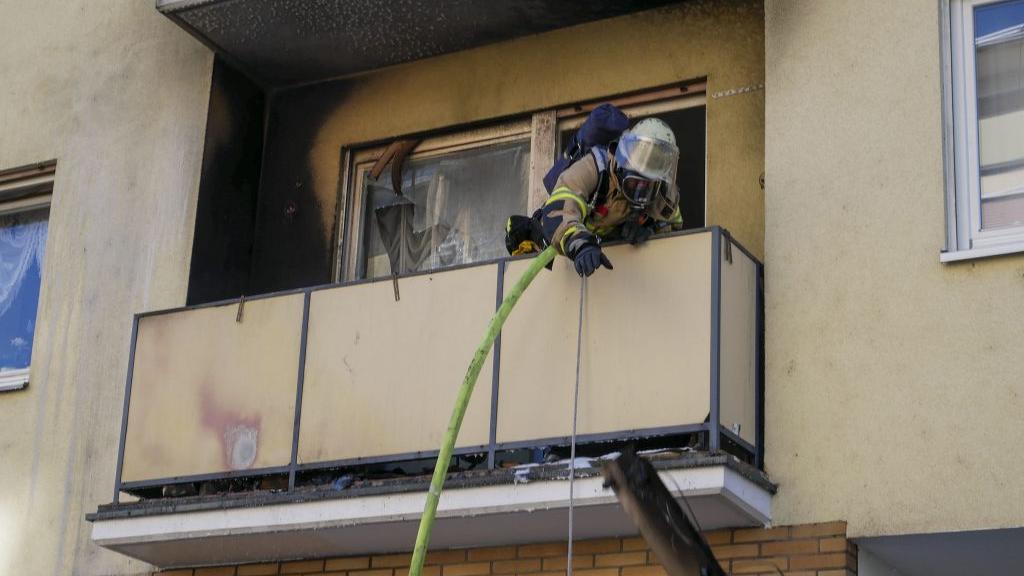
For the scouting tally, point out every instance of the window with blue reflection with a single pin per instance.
(999, 76)
(22, 246)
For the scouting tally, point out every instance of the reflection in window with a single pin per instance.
(22, 242)
(452, 210)
(999, 69)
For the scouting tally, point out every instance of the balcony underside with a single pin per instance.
(291, 42)
(476, 509)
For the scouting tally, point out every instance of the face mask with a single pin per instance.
(640, 191)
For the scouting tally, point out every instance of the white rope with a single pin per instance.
(575, 413)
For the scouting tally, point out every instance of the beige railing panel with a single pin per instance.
(646, 356)
(739, 333)
(382, 376)
(210, 394)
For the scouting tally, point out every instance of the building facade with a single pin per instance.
(232, 334)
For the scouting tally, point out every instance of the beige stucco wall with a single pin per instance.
(720, 39)
(894, 389)
(118, 95)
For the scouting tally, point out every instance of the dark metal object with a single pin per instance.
(673, 538)
(714, 437)
(301, 379)
(759, 369)
(736, 439)
(290, 42)
(641, 433)
(158, 482)
(124, 410)
(388, 458)
(496, 370)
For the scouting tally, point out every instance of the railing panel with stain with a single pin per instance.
(210, 393)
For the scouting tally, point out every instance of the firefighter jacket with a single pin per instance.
(586, 201)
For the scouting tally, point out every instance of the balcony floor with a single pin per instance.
(477, 509)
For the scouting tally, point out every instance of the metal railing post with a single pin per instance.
(300, 380)
(124, 410)
(715, 433)
(496, 365)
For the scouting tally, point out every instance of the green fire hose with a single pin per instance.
(448, 444)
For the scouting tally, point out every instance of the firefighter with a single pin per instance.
(627, 192)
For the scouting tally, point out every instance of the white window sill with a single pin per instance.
(975, 253)
(13, 380)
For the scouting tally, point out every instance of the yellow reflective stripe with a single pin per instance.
(563, 193)
(568, 232)
(677, 217)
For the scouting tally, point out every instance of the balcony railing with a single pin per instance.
(348, 374)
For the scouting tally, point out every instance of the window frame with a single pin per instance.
(543, 128)
(358, 160)
(965, 239)
(24, 190)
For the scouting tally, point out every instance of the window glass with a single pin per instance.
(452, 210)
(22, 242)
(999, 69)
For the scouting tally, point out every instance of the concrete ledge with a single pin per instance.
(467, 516)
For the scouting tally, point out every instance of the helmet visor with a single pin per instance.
(652, 159)
(640, 191)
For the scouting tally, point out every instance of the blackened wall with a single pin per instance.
(294, 246)
(228, 189)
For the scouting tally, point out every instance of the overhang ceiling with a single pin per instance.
(287, 42)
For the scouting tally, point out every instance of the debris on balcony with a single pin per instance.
(550, 466)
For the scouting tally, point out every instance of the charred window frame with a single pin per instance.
(544, 131)
(356, 233)
(25, 195)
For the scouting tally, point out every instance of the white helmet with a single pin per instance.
(654, 128)
(647, 151)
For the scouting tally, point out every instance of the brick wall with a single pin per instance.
(807, 550)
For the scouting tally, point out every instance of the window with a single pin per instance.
(24, 213)
(458, 189)
(986, 188)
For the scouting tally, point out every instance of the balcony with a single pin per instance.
(278, 392)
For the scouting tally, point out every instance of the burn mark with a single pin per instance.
(228, 189)
(238, 434)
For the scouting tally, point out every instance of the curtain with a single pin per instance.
(22, 244)
(452, 210)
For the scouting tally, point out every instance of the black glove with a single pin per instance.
(636, 233)
(588, 258)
